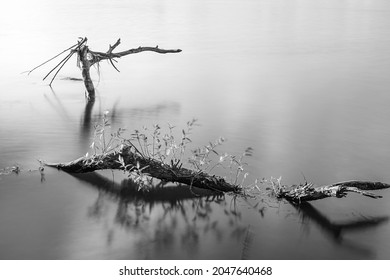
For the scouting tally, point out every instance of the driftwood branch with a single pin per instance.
(128, 159)
(87, 58)
(309, 192)
(98, 56)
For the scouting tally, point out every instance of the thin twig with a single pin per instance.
(113, 65)
(63, 62)
(65, 59)
(59, 69)
(111, 48)
(28, 72)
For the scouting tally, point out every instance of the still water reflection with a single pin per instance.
(304, 83)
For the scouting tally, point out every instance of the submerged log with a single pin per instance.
(309, 192)
(128, 160)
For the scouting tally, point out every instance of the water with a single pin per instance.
(305, 83)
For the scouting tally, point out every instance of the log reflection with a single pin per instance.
(175, 219)
(336, 230)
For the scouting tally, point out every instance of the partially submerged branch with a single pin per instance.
(309, 192)
(87, 58)
(129, 160)
(159, 155)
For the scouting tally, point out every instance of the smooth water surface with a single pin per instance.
(305, 83)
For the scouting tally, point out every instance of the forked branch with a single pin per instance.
(98, 56)
(87, 58)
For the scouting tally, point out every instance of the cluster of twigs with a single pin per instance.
(73, 49)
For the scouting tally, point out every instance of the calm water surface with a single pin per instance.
(305, 83)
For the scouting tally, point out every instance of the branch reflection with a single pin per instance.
(175, 219)
(336, 230)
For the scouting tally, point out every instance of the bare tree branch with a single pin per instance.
(99, 56)
(87, 58)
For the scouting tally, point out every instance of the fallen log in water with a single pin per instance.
(150, 160)
(309, 192)
(129, 160)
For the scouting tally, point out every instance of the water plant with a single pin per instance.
(166, 151)
(148, 154)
